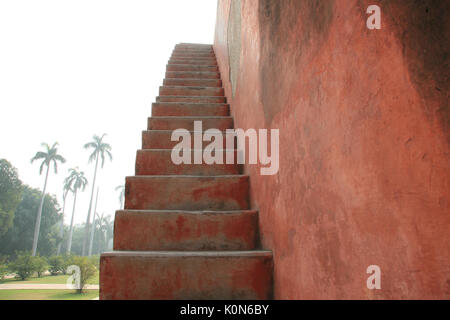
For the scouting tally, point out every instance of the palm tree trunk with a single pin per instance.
(93, 225)
(39, 215)
(69, 241)
(86, 233)
(61, 226)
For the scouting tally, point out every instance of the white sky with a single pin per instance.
(72, 69)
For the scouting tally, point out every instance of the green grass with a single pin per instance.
(59, 279)
(27, 294)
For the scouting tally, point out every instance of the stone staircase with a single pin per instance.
(187, 231)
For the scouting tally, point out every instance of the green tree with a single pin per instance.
(66, 262)
(55, 264)
(75, 181)
(87, 270)
(106, 228)
(40, 265)
(121, 190)
(23, 266)
(49, 156)
(4, 269)
(19, 237)
(66, 189)
(100, 149)
(10, 195)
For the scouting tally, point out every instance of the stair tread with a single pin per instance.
(190, 87)
(184, 176)
(193, 212)
(191, 117)
(162, 254)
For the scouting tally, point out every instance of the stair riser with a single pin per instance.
(192, 56)
(159, 162)
(188, 123)
(185, 110)
(203, 62)
(148, 231)
(190, 91)
(192, 75)
(147, 278)
(162, 140)
(188, 67)
(187, 193)
(193, 82)
(192, 49)
(187, 99)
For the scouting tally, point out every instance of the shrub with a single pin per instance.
(40, 265)
(66, 262)
(56, 265)
(95, 259)
(23, 266)
(3, 271)
(87, 270)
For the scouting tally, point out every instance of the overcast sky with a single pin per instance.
(72, 69)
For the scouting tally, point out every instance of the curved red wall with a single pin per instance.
(364, 141)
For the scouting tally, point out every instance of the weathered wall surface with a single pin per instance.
(364, 141)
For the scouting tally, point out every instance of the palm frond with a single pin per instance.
(102, 155)
(109, 154)
(60, 158)
(90, 145)
(93, 156)
(41, 167)
(39, 155)
(45, 145)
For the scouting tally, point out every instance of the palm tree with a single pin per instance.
(106, 226)
(66, 189)
(48, 156)
(100, 149)
(76, 180)
(121, 194)
(93, 224)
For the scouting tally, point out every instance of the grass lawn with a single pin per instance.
(47, 295)
(59, 279)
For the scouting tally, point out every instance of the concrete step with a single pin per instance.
(192, 75)
(199, 62)
(193, 82)
(147, 230)
(164, 109)
(159, 162)
(191, 99)
(190, 91)
(147, 275)
(187, 192)
(193, 55)
(161, 139)
(187, 56)
(190, 67)
(193, 49)
(173, 123)
(195, 45)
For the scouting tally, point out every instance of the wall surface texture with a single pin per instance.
(364, 174)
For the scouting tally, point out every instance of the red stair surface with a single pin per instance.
(187, 231)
